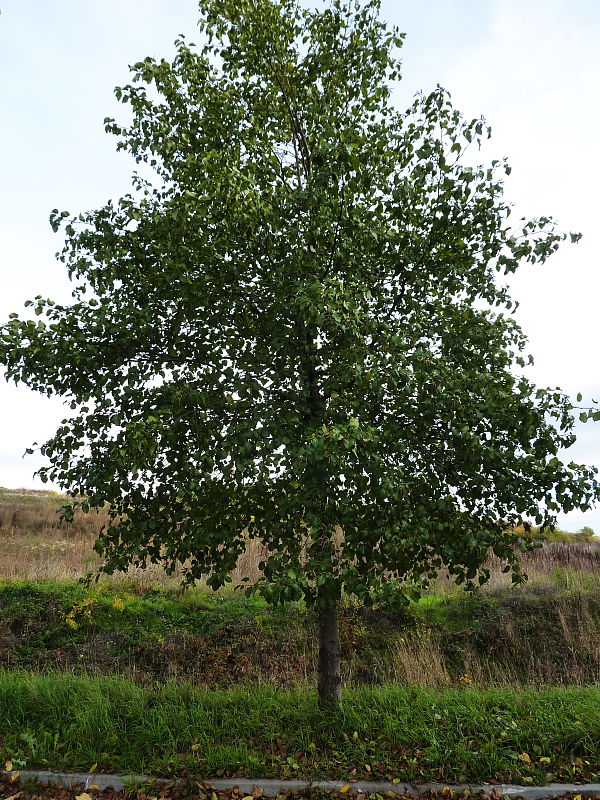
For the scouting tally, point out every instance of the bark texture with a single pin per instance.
(330, 679)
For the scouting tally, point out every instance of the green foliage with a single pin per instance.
(74, 607)
(156, 634)
(586, 533)
(296, 332)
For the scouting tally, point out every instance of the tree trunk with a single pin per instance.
(330, 679)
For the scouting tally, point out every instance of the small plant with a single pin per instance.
(13, 763)
(82, 611)
(132, 788)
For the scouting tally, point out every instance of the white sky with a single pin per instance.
(531, 67)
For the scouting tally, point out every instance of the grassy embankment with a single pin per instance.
(539, 635)
(432, 690)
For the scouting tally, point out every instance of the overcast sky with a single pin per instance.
(531, 67)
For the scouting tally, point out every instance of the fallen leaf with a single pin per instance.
(8, 766)
(345, 788)
(83, 796)
(15, 776)
(14, 796)
(93, 768)
(526, 758)
(94, 788)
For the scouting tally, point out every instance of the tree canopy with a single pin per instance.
(294, 329)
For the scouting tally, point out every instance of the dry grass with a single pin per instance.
(35, 544)
(418, 660)
(555, 641)
(576, 556)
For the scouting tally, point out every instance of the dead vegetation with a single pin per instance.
(35, 544)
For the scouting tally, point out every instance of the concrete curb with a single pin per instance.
(272, 787)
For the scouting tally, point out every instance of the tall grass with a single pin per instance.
(403, 732)
(35, 544)
(572, 558)
(537, 635)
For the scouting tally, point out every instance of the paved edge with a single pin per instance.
(271, 787)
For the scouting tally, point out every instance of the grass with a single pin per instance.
(538, 635)
(35, 544)
(149, 634)
(545, 634)
(503, 684)
(405, 733)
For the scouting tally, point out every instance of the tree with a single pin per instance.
(586, 533)
(293, 331)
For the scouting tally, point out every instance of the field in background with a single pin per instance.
(35, 544)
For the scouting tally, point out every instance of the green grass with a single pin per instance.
(105, 607)
(539, 635)
(31, 496)
(72, 607)
(63, 721)
(149, 634)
